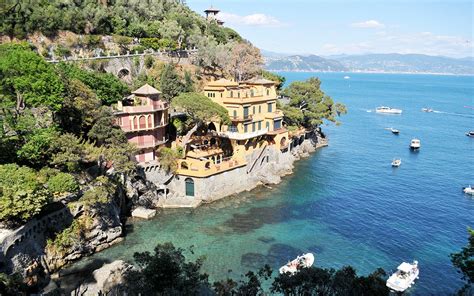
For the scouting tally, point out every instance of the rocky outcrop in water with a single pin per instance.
(106, 280)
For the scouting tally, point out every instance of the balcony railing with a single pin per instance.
(243, 136)
(143, 109)
(130, 129)
(150, 144)
(205, 168)
(241, 118)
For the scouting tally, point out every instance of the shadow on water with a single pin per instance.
(277, 255)
(72, 277)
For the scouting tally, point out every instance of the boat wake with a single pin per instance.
(455, 114)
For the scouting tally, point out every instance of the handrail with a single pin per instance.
(260, 155)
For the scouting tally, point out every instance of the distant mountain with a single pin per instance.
(302, 63)
(388, 63)
(413, 63)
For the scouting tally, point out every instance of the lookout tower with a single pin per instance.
(211, 15)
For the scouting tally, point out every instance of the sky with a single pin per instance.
(333, 27)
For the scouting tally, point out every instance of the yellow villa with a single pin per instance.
(256, 123)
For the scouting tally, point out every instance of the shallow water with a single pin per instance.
(346, 203)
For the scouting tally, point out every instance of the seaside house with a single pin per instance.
(256, 124)
(143, 116)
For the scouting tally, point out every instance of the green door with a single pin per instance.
(189, 187)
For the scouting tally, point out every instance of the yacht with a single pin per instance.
(396, 162)
(303, 261)
(468, 190)
(427, 110)
(347, 77)
(470, 134)
(394, 131)
(415, 144)
(404, 277)
(388, 110)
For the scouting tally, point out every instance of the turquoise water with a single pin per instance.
(346, 203)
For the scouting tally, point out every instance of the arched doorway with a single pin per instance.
(212, 127)
(189, 186)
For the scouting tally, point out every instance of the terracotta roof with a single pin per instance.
(223, 82)
(146, 90)
(259, 81)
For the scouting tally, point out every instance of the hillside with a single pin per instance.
(302, 63)
(389, 63)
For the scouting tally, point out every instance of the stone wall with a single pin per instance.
(264, 166)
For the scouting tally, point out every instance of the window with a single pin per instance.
(235, 114)
(232, 128)
(189, 187)
(259, 108)
(268, 91)
(253, 126)
(252, 93)
(231, 94)
(268, 125)
(238, 94)
(142, 121)
(246, 128)
(277, 124)
(246, 112)
(259, 125)
(253, 109)
(270, 107)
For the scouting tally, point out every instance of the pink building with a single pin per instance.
(143, 116)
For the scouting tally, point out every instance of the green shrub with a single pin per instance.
(149, 62)
(62, 183)
(62, 51)
(138, 49)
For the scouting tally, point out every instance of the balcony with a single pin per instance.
(205, 168)
(149, 144)
(143, 109)
(243, 136)
(241, 118)
(277, 131)
(275, 114)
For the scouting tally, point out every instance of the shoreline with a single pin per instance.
(370, 72)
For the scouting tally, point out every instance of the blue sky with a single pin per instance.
(351, 27)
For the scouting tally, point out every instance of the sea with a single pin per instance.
(345, 203)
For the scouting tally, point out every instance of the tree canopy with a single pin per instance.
(165, 19)
(464, 262)
(309, 105)
(27, 80)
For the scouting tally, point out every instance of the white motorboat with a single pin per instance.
(396, 162)
(427, 110)
(415, 144)
(470, 134)
(347, 77)
(305, 260)
(394, 131)
(388, 110)
(468, 190)
(404, 277)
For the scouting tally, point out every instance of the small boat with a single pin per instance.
(404, 277)
(470, 134)
(394, 131)
(396, 162)
(388, 110)
(347, 77)
(427, 110)
(303, 261)
(415, 144)
(468, 190)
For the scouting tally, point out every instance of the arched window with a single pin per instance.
(150, 124)
(189, 186)
(135, 123)
(142, 121)
(207, 165)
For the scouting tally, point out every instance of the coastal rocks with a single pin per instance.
(106, 280)
(142, 193)
(143, 213)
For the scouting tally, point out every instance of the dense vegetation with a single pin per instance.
(464, 262)
(309, 105)
(55, 123)
(166, 272)
(165, 21)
